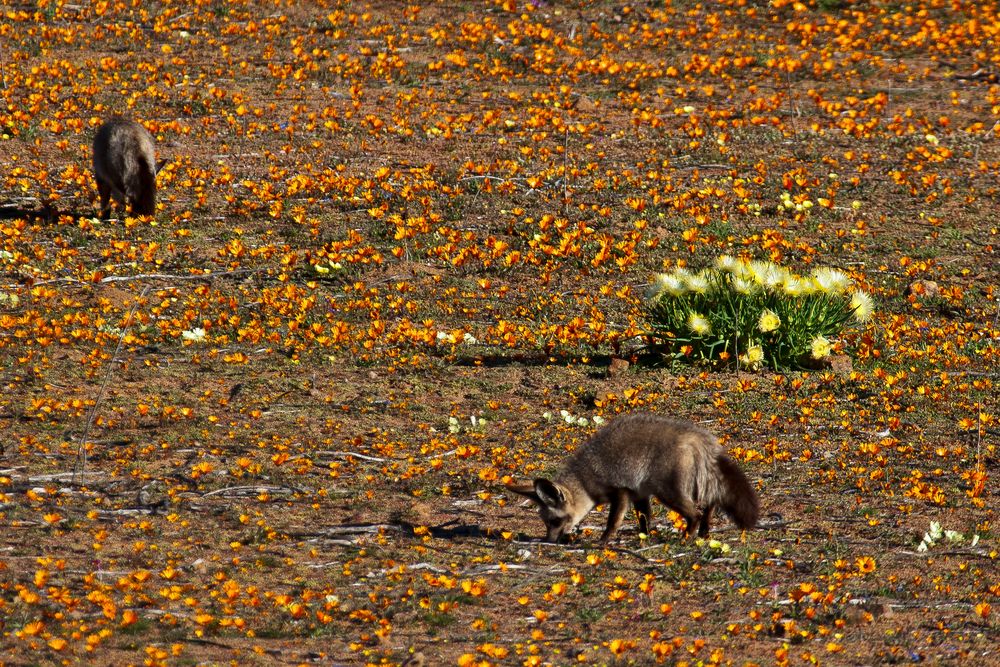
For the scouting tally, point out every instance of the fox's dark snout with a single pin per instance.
(741, 503)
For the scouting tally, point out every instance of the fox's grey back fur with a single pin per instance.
(637, 457)
(125, 166)
(639, 451)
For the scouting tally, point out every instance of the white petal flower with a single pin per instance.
(862, 305)
(195, 335)
(727, 263)
(666, 283)
(830, 280)
(699, 324)
(697, 283)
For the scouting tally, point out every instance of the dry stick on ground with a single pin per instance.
(565, 198)
(980, 425)
(154, 276)
(81, 452)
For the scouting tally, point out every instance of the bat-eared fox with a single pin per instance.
(635, 458)
(125, 166)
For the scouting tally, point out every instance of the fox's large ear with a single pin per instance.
(549, 493)
(526, 490)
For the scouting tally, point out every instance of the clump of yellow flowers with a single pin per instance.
(753, 313)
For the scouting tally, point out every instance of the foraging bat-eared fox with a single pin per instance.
(125, 166)
(634, 458)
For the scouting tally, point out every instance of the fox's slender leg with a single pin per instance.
(643, 513)
(104, 190)
(706, 520)
(685, 508)
(619, 503)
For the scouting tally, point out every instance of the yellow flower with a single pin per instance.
(821, 347)
(862, 305)
(753, 357)
(769, 321)
(699, 324)
(865, 564)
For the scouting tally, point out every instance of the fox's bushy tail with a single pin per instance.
(740, 500)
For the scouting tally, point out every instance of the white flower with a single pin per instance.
(195, 335)
(935, 531)
(767, 274)
(668, 283)
(830, 280)
(726, 263)
(697, 283)
(744, 271)
(862, 305)
(699, 324)
(469, 339)
(796, 286)
(453, 426)
(744, 286)
(598, 419)
(771, 275)
(547, 416)
(582, 421)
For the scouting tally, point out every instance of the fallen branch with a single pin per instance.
(344, 455)
(251, 490)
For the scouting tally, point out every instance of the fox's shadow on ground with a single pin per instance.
(47, 213)
(457, 529)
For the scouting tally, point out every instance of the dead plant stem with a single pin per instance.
(81, 452)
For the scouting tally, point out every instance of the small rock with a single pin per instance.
(415, 660)
(923, 289)
(617, 367)
(584, 103)
(841, 364)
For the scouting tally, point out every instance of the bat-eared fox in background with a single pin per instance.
(634, 458)
(125, 166)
